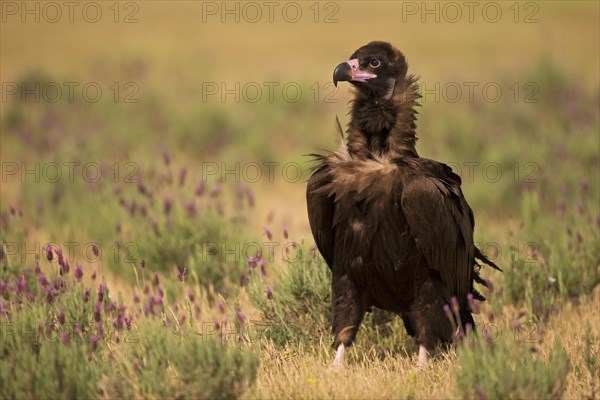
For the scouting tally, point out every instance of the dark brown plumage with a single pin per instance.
(394, 228)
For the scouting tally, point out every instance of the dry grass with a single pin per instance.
(304, 372)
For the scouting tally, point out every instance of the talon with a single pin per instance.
(423, 358)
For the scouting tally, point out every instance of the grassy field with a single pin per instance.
(155, 241)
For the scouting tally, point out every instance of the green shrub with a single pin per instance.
(557, 259)
(507, 369)
(64, 340)
(299, 309)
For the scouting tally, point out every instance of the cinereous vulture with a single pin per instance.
(393, 227)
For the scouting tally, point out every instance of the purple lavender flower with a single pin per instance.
(190, 208)
(269, 293)
(38, 271)
(241, 317)
(191, 296)
(128, 322)
(252, 260)
(250, 197)
(313, 251)
(200, 189)
(454, 303)
(155, 228)
(468, 328)
(97, 315)
(78, 331)
(472, 303)
(100, 330)
(155, 280)
(262, 264)
(95, 250)
(49, 254)
(243, 279)
(94, 342)
(132, 208)
(168, 204)
(480, 393)
(109, 307)
(94, 275)
(65, 267)
(142, 189)
(182, 275)
(86, 295)
(216, 191)
(166, 156)
(267, 233)
(100, 293)
(21, 286)
(59, 254)
(285, 232)
(119, 322)
(65, 338)
(59, 284)
(3, 287)
(448, 312)
(182, 174)
(136, 298)
(50, 295)
(585, 184)
(78, 272)
(61, 317)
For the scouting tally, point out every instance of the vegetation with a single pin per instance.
(160, 248)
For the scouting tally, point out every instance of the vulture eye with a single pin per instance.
(375, 63)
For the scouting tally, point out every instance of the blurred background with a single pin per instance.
(115, 114)
(172, 136)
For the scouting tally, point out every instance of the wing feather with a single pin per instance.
(439, 220)
(320, 207)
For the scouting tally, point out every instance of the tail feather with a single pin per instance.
(481, 259)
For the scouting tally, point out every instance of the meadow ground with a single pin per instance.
(154, 235)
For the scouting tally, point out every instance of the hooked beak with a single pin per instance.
(350, 71)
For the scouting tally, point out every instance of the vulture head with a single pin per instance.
(374, 70)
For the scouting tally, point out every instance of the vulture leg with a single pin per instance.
(423, 357)
(338, 361)
(429, 321)
(348, 311)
